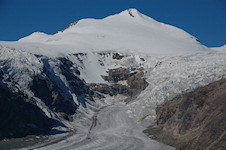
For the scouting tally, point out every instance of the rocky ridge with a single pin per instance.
(195, 120)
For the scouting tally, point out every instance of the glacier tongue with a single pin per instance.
(112, 129)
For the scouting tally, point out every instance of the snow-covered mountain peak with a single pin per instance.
(132, 12)
(122, 20)
(127, 31)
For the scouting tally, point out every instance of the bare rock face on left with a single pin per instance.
(37, 93)
(19, 117)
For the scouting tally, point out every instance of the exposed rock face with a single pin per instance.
(118, 74)
(117, 56)
(77, 85)
(196, 120)
(50, 95)
(72, 24)
(46, 89)
(112, 90)
(132, 77)
(19, 117)
(137, 82)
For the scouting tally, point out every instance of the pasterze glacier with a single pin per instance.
(124, 82)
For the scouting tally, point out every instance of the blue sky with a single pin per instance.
(205, 19)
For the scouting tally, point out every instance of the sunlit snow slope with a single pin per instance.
(220, 49)
(127, 31)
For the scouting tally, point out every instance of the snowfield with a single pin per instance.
(128, 31)
(174, 63)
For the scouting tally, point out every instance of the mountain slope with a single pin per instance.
(79, 74)
(196, 120)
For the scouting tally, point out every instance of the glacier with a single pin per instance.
(174, 63)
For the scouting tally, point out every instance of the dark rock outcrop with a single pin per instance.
(196, 120)
(118, 74)
(49, 93)
(134, 79)
(117, 56)
(77, 86)
(57, 96)
(19, 114)
(72, 24)
(111, 90)
(137, 82)
(20, 118)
